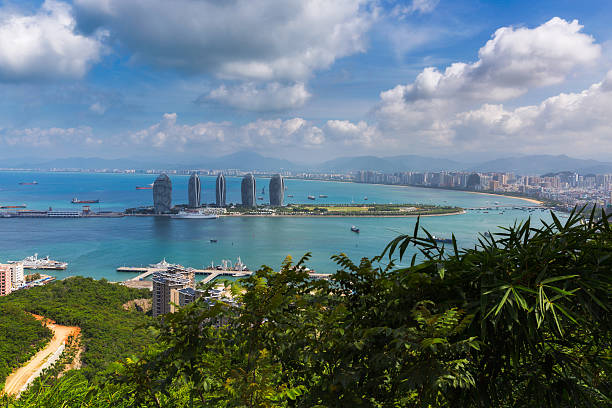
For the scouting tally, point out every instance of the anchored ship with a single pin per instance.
(206, 215)
(311, 197)
(77, 201)
(33, 262)
(442, 240)
(28, 183)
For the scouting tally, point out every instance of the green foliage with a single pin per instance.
(21, 336)
(109, 332)
(519, 321)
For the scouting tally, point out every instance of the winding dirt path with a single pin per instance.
(19, 378)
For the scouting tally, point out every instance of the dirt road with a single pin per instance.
(16, 381)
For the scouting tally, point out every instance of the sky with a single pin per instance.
(306, 80)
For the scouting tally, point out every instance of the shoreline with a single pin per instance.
(344, 216)
(531, 200)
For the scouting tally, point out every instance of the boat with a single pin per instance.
(290, 195)
(442, 240)
(144, 187)
(263, 190)
(33, 262)
(201, 215)
(28, 183)
(260, 198)
(311, 197)
(355, 229)
(7, 207)
(487, 234)
(213, 240)
(77, 201)
(365, 198)
(323, 196)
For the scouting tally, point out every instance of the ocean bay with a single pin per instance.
(97, 246)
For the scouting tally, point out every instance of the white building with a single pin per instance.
(17, 278)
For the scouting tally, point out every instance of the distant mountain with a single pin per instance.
(540, 164)
(391, 164)
(246, 160)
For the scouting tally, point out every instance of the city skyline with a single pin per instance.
(465, 79)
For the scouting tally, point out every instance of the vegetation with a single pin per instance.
(32, 277)
(522, 320)
(109, 332)
(21, 336)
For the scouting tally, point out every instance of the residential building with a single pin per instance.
(5, 280)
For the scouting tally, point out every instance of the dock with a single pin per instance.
(145, 272)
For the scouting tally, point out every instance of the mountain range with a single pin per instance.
(245, 160)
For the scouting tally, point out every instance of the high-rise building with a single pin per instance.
(194, 191)
(17, 277)
(165, 285)
(277, 190)
(162, 194)
(247, 188)
(5, 280)
(220, 190)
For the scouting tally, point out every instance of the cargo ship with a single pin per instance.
(7, 207)
(28, 183)
(149, 187)
(77, 201)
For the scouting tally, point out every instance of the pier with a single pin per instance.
(145, 272)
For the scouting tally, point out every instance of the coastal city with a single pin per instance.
(305, 203)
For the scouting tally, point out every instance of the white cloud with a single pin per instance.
(271, 40)
(44, 138)
(224, 136)
(511, 63)
(270, 97)
(417, 6)
(45, 45)
(98, 108)
(348, 133)
(568, 122)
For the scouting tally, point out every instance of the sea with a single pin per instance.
(95, 247)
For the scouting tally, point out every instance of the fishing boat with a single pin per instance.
(442, 240)
(77, 201)
(355, 229)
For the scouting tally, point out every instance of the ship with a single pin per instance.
(290, 195)
(355, 229)
(149, 187)
(365, 198)
(200, 215)
(7, 207)
(77, 201)
(442, 240)
(33, 262)
(323, 196)
(28, 183)
(311, 197)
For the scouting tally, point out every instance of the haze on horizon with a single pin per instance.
(305, 79)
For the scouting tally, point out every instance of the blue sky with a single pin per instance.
(305, 79)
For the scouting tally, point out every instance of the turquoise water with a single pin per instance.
(96, 247)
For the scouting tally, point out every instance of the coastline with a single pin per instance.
(531, 200)
(343, 216)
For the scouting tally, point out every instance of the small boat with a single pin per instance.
(355, 229)
(28, 183)
(442, 240)
(290, 195)
(144, 187)
(213, 240)
(77, 201)
(323, 196)
(311, 197)
(365, 198)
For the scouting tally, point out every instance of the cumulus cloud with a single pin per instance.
(253, 97)
(38, 137)
(271, 40)
(259, 135)
(576, 122)
(511, 63)
(349, 133)
(45, 45)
